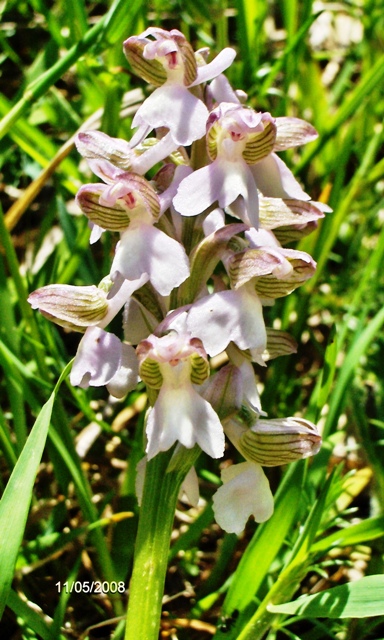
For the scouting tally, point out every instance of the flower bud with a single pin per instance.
(279, 212)
(69, 306)
(276, 442)
(224, 391)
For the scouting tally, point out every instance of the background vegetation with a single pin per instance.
(61, 65)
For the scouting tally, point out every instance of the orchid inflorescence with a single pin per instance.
(198, 257)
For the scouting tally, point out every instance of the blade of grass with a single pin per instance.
(357, 349)
(361, 599)
(6, 444)
(31, 618)
(26, 310)
(359, 533)
(14, 505)
(349, 107)
(331, 226)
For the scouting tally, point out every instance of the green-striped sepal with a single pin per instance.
(69, 306)
(273, 443)
(273, 272)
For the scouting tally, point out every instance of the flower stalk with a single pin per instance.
(163, 479)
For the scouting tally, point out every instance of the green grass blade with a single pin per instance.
(361, 599)
(14, 505)
(359, 533)
(370, 81)
(31, 618)
(357, 349)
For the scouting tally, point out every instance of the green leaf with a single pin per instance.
(358, 348)
(361, 599)
(362, 532)
(31, 618)
(14, 505)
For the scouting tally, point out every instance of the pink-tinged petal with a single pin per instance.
(183, 415)
(174, 107)
(105, 170)
(261, 238)
(148, 251)
(222, 181)
(224, 391)
(142, 132)
(275, 180)
(208, 71)
(98, 145)
(127, 376)
(97, 360)
(245, 492)
(293, 132)
(214, 221)
(118, 295)
(199, 190)
(138, 322)
(227, 316)
(251, 199)
(176, 320)
(322, 206)
(96, 233)
(250, 390)
(154, 154)
(181, 172)
(222, 90)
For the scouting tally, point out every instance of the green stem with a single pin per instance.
(163, 479)
(281, 591)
